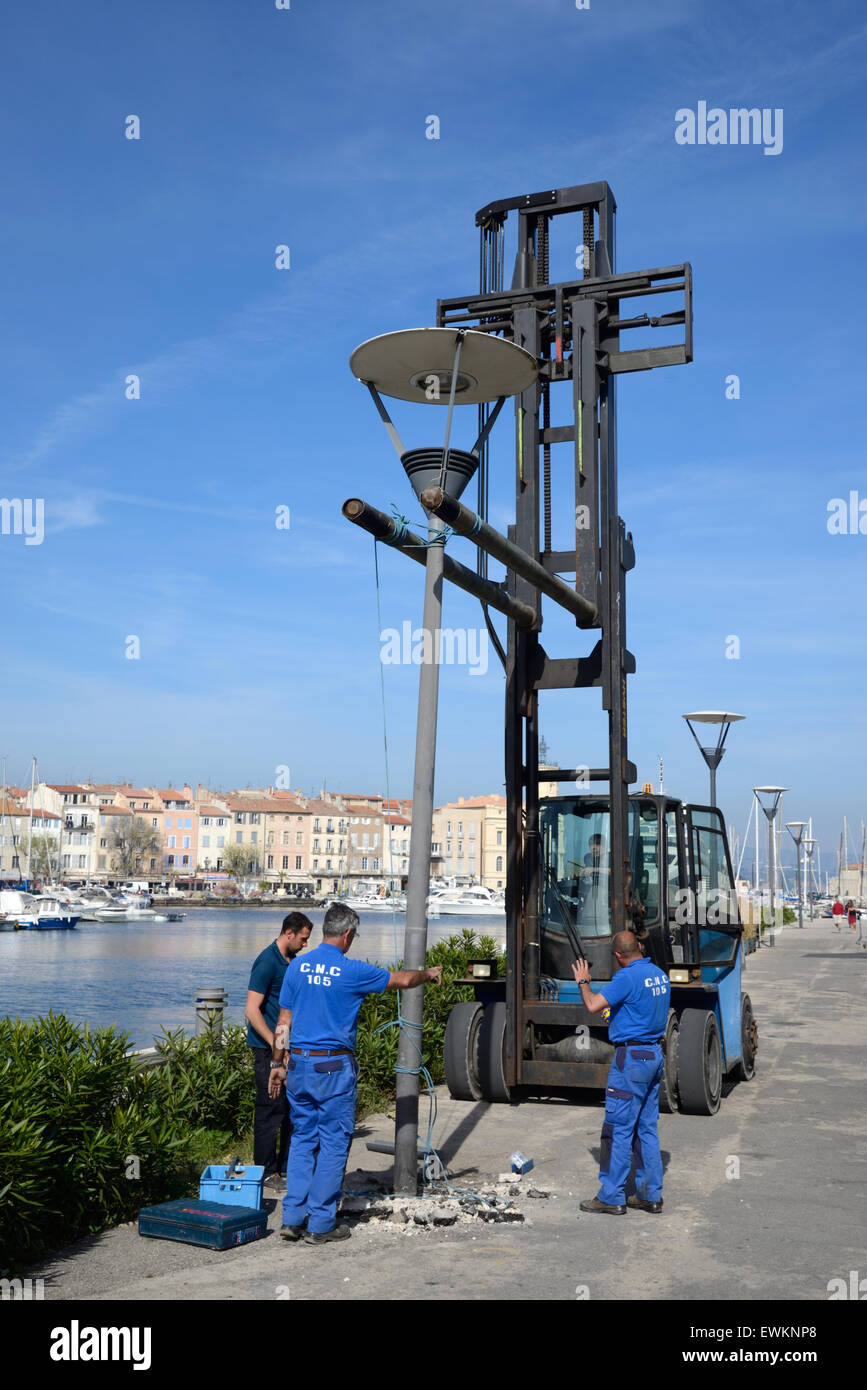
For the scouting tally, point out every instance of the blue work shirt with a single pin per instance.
(325, 991)
(266, 978)
(639, 996)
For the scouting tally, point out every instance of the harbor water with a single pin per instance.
(143, 976)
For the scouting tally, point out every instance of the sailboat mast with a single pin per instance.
(30, 834)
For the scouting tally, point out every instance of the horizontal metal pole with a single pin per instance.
(466, 523)
(383, 527)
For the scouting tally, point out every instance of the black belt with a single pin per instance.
(323, 1052)
(641, 1042)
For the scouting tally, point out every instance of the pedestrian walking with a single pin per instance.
(638, 997)
(852, 914)
(271, 1118)
(314, 1055)
(837, 913)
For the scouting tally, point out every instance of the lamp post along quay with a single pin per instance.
(769, 805)
(809, 847)
(422, 365)
(712, 755)
(798, 826)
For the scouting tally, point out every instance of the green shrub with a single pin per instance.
(87, 1137)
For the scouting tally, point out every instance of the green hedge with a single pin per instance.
(87, 1137)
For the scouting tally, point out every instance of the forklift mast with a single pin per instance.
(573, 328)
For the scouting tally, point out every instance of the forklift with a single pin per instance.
(581, 867)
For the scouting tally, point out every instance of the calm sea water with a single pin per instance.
(143, 976)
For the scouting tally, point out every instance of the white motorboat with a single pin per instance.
(472, 901)
(31, 913)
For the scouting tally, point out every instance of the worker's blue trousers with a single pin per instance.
(630, 1128)
(322, 1096)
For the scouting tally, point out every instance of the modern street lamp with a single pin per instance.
(449, 367)
(712, 755)
(769, 805)
(800, 826)
(809, 846)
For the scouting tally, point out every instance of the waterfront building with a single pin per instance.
(77, 807)
(180, 827)
(15, 835)
(469, 841)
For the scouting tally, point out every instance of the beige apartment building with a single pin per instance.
(469, 841)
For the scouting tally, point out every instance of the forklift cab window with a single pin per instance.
(576, 840)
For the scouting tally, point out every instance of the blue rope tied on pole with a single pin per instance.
(401, 531)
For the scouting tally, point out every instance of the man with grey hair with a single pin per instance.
(314, 1054)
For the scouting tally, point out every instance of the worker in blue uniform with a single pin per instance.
(314, 1054)
(638, 997)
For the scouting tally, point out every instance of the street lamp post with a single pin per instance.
(809, 846)
(713, 754)
(769, 806)
(792, 826)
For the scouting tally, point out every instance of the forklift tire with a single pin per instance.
(745, 1069)
(461, 1051)
(668, 1103)
(699, 1063)
(492, 1048)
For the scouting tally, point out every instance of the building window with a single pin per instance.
(221, 840)
(171, 841)
(239, 837)
(499, 837)
(254, 837)
(298, 861)
(316, 863)
(206, 820)
(285, 861)
(155, 823)
(206, 842)
(255, 818)
(499, 864)
(270, 861)
(363, 864)
(168, 822)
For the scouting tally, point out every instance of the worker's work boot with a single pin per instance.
(641, 1204)
(594, 1204)
(325, 1237)
(292, 1232)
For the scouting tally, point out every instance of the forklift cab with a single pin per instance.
(681, 887)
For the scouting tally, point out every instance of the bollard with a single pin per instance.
(210, 1006)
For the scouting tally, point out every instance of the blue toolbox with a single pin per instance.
(235, 1186)
(215, 1225)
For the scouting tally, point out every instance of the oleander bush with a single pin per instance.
(377, 1050)
(88, 1136)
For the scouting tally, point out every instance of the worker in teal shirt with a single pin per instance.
(314, 1053)
(638, 997)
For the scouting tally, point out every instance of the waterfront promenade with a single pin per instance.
(790, 1222)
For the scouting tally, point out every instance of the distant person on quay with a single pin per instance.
(271, 1118)
(837, 913)
(852, 914)
(314, 1056)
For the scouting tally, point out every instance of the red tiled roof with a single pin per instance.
(53, 787)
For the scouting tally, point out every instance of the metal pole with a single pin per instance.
(385, 528)
(467, 523)
(712, 784)
(418, 880)
(772, 868)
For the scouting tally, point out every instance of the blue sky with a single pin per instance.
(306, 127)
